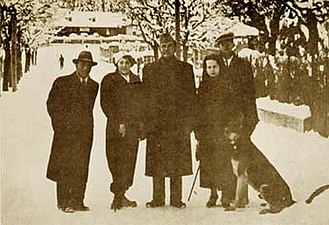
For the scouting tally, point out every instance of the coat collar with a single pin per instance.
(132, 77)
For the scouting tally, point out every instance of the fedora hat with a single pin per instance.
(225, 37)
(85, 56)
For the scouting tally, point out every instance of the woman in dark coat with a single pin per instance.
(233, 86)
(121, 102)
(215, 160)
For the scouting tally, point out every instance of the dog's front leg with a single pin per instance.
(241, 195)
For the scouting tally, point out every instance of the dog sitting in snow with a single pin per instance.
(253, 168)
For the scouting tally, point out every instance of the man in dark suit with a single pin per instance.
(170, 96)
(238, 83)
(70, 106)
(239, 80)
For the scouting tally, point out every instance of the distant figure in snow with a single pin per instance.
(70, 106)
(61, 61)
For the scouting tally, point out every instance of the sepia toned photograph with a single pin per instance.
(164, 112)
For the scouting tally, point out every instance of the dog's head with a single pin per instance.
(234, 125)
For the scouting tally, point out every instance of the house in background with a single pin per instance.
(93, 23)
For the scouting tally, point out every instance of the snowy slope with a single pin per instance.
(28, 198)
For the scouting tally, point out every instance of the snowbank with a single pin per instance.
(300, 112)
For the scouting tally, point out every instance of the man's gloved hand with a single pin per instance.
(142, 131)
(197, 151)
(122, 130)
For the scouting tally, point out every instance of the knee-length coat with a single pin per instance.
(70, 106)
(169, 103)
(121, 101)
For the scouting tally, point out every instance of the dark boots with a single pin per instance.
(213, 198)
(159, 193)
(121, 201)
(155, 203)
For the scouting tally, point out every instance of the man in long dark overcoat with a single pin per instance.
(70, 106)
(239, 82)
(239, 85)
(170, 95)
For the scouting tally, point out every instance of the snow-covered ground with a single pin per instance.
(28, 198)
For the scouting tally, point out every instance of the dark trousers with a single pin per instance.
(70, 193)
(175, 189)
(121, 155)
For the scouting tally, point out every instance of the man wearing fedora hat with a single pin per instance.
(170, 90)
(70, 106)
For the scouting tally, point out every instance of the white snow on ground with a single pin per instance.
(28, 198)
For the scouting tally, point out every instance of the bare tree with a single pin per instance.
(193, 14)
(152, 18)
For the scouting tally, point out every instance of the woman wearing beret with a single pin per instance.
(121, 103)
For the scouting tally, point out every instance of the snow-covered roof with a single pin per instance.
(207, 33)
(240, 30)
(91, 19)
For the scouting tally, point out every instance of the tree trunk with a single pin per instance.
(27, 59)
(35, 58)
(177, 28)
(185, 51)
(187, 33)
(19, 64)
(13, 74)
(156, 51)
(103, 6)
(311, 23)
(274, 26)
(6, 69)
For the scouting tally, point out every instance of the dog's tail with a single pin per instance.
(316, 193)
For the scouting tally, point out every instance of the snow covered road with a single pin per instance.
(28, 198)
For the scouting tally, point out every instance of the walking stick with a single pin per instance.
(193, 184)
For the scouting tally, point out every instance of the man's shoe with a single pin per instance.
(116, 204)
(179, 205)
(155, 204)
(125, 202)
(80, 208)
(66, 209)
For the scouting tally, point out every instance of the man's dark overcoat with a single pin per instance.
(122, 104)
(170, 101)
(234, 85)
(70, 106)
(239, 84)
